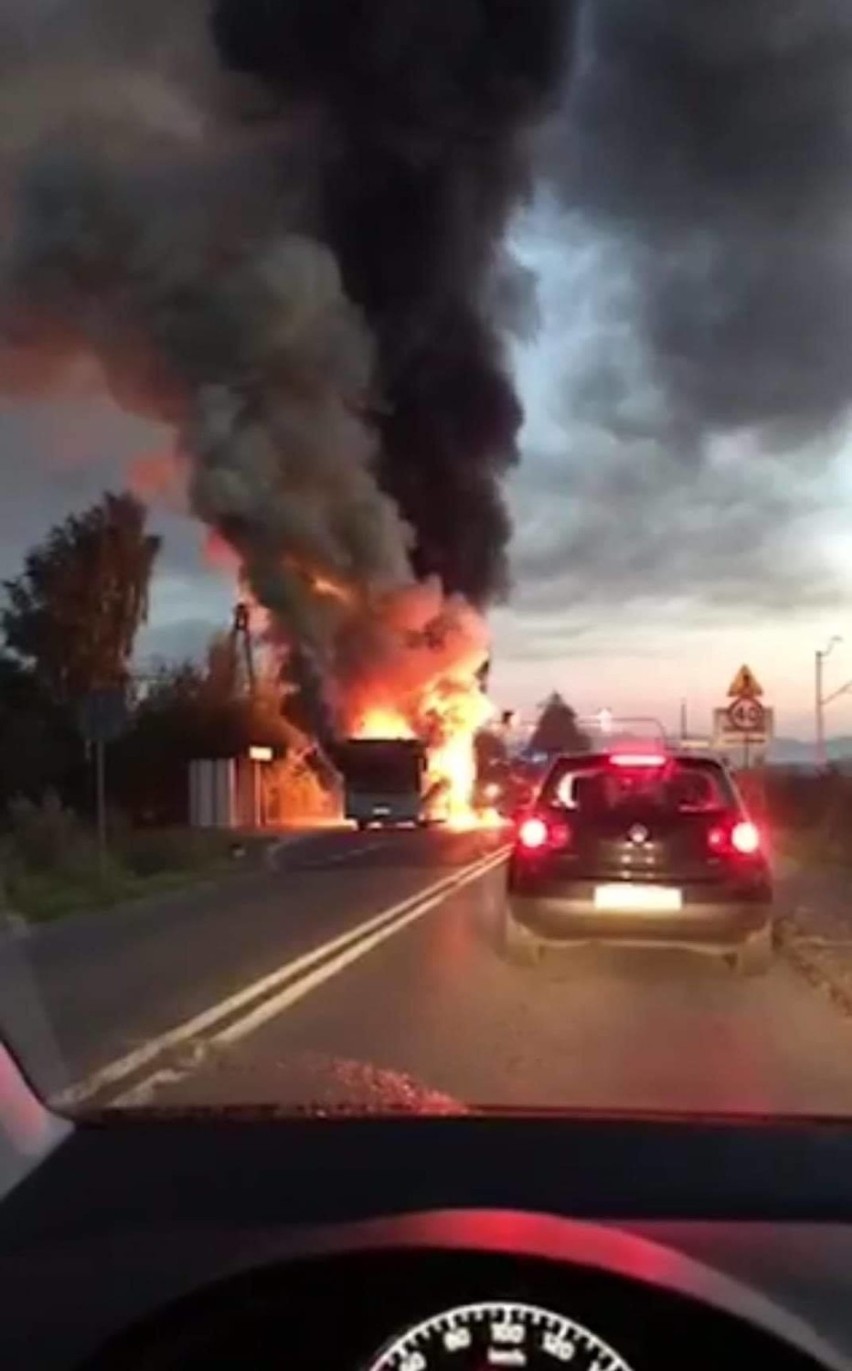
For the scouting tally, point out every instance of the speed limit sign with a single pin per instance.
(746, 715)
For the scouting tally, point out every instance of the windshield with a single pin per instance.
(676, 786)
(375, 767)
(424, 558)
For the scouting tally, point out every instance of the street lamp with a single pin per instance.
(821, 700)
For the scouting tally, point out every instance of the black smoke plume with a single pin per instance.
(422, 113)
(714, 137)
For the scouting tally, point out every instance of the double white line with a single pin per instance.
(233, 1018)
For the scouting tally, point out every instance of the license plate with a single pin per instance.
(649, 899)
(381, 811)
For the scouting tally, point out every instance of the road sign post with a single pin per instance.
(745, 724)
(745, 685)
(100, 801)
(102, 716)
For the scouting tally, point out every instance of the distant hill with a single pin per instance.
(794, 752)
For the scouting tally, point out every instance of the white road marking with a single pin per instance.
(120, 1068)
(299, 989)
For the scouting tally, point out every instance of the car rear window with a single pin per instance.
(683, 785)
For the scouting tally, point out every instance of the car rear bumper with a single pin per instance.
(560, 920)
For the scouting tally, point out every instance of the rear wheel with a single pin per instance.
(363, 825)
(520, 946)
(754, 957)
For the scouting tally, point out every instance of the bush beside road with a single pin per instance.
(810, 819)
(51, 865)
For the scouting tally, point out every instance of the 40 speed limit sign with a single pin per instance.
(747, 715)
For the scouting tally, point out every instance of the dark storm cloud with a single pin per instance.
(716, 136)
(697, 280)
(737, 532)
(179, 641)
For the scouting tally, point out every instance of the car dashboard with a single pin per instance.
(406, 1296)
(147, 1242)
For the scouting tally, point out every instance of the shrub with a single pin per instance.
(146, 852)
(44, 836)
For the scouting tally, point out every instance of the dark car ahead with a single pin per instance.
(640, 847)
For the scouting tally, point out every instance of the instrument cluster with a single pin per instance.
(433, 1310)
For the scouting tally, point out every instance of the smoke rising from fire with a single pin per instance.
(304, 295)
(124, 242)
(421, 116)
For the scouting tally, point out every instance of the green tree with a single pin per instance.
(38, 743)
(557, 729)
(74, 612)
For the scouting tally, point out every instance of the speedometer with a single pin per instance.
(475, 1337)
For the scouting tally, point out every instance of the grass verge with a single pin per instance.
(42, 896)
(51, 867)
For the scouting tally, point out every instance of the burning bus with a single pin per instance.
(386, 781)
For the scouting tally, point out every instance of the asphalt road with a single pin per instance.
(365, 969)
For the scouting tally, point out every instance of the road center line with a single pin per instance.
(299, 989)
(121, 1067)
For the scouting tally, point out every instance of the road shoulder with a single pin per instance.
(815, 930)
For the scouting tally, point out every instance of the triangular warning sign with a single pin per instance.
(745, 685)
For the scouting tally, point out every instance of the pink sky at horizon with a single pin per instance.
(653, 681)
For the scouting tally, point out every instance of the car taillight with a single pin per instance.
(742, 838)
(745, 838)
(533, 834)
(717, 839)
(536, 834)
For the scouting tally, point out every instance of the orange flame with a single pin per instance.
(322, 582)
(382, 723)
(324, 585)
(426, 686)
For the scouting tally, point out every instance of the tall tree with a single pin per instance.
(557, 729)
(38, 744)
(76, 609)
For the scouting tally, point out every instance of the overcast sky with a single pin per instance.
(619, 599)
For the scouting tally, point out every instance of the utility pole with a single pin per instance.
(818, 707)
(821, 700)
(241, 636)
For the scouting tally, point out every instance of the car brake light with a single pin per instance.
(533, 834)
(745, 838)
(717, 839)
(637, 759)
